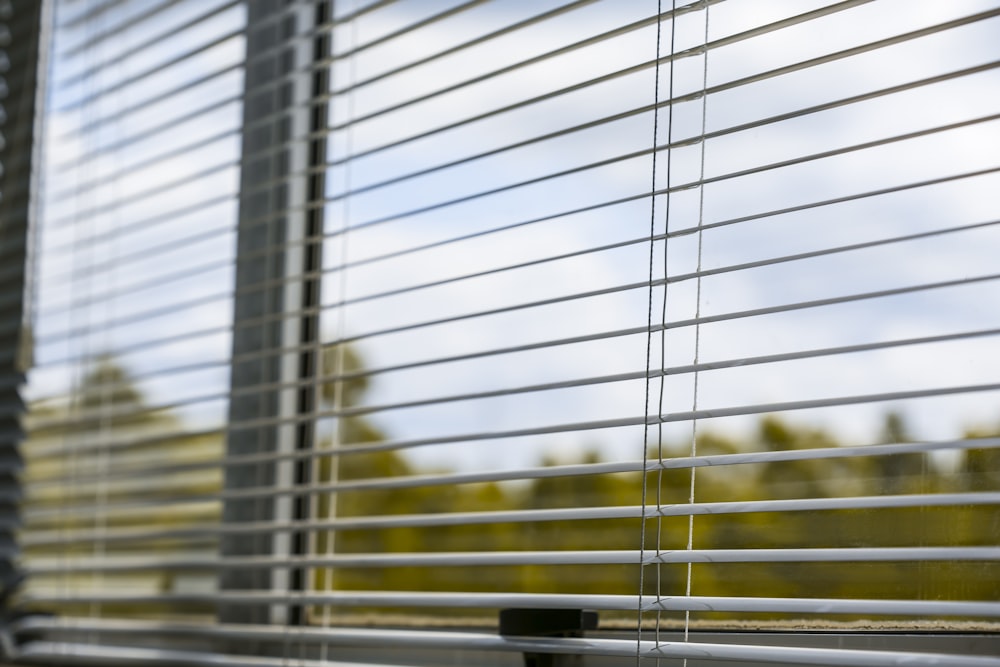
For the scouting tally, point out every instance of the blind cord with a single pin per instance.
(649, 337)
(340, 326)
(69, 452)
(106, 395)
(663, 320)
(697, 327)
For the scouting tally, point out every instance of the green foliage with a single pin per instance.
(345, 387)
(344, 381)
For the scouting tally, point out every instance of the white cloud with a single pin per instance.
(960, 255)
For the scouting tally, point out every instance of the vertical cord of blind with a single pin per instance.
(107, 398)
(663, 320)
(697, 315)
(340, 325)
(68, 451)
(649, 341)
(86, 357)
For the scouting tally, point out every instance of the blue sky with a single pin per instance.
(965, 254)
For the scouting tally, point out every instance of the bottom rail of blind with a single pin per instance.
(87, 642)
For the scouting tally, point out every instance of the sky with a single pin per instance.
(387, 219)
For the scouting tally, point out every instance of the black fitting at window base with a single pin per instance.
(9, 616)
(548, 623)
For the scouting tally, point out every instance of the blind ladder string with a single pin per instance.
(649, 340)
(86, 358)
(340, 326)
(106, 407)
(697, 327)
(73, 408)
(663, 329)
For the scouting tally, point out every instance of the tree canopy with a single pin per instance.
(975, 470)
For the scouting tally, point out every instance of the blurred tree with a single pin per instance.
(383, 482)
(90, 458)
(980, 467)
(900, 473)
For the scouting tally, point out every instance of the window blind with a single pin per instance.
(361, 326)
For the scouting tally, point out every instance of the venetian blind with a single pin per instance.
(659, 331)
